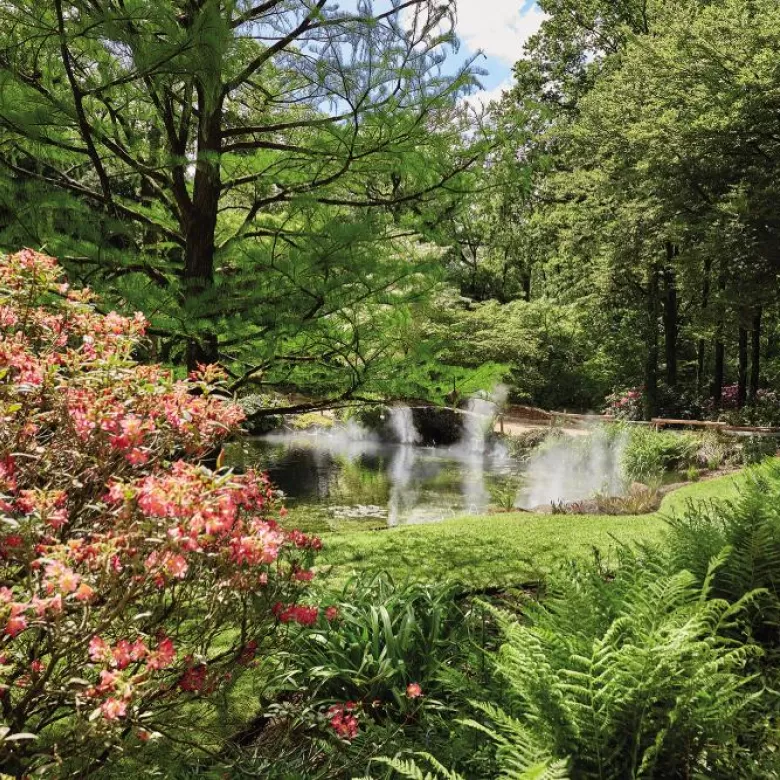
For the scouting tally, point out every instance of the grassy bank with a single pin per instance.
(503, 549)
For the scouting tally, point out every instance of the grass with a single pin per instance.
(503, 549)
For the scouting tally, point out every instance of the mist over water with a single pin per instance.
(402, 425)
(478, 422)
(417, 484)
(566, 470)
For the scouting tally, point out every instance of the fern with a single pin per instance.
(749, 527)
(519, 762)
(654, 690)
(408, 768)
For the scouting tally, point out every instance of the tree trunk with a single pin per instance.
(651, 363)
(717, 381)
(755, 357)
(670, 324)
(702, 347)
(742, 375)
(202, 346)
(720, 349)
(527, 287)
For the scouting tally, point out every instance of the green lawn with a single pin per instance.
(502, 549)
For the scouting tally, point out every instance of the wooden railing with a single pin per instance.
(533, 415)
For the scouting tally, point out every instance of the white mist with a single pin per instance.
(567, 469)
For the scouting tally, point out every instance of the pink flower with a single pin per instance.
(331, 614)
(58, 518)
(137, 457)
(84, 592)
(413, 691)
(121, 653)
(163, 656)
(99, 650)
(177, 566)
(15, 625)
(68, 581)
(113, 709)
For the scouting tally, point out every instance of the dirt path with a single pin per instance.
(518, 427)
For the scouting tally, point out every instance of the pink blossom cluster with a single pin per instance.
(121, 562)
(343, 720)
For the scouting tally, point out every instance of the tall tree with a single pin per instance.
(242, 160)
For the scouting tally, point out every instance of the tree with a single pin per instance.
(246, 157)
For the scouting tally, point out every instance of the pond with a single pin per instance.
(340, 481)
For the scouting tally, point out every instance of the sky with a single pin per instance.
(498, 28)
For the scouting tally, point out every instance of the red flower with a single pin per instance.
(343, 722)
(413, 691)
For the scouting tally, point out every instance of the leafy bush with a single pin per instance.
(626, 404)
(256, 410)
(131, 584)
(636, 679)
(757, 448)
(373, 417)
(649, 453)
(302, 422)
(383, 638)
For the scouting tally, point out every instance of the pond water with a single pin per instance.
(340, 480)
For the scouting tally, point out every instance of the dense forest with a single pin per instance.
(299, 215)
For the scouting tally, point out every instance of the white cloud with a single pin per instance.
(484, 97)
(497, 27)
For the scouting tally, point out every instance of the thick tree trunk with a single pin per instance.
(742, 374)
(755, 357)
(651, 362)
(202, 346)
(702, 346)
(527, 286)
(670, 325)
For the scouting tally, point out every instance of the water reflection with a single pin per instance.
(397, 484)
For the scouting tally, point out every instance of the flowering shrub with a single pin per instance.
(130, 577)
(763, 412)
(626, 404)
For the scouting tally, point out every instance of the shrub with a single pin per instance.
(383, 639)
(626, 404)
(649, 454)
(133, 581)
(757, 448)
(630, 679)
(258, 419)
(749, 529)
(303, 422)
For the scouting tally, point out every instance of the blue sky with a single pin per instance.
(498, 28)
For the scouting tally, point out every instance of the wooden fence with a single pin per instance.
(535, 416)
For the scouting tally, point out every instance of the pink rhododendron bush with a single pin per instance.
(132, 579)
